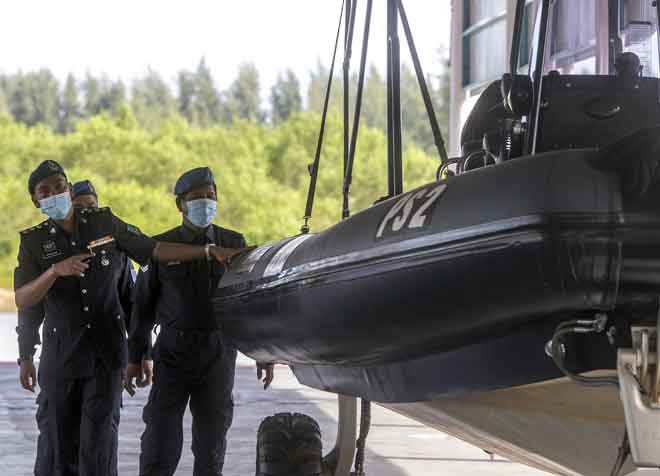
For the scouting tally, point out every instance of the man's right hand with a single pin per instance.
(28, 375)
(73, 266)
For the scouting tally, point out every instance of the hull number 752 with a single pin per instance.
(411, 211)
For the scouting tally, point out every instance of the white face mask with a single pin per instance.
(201, 212)
(56, 206)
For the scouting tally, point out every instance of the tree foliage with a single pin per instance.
(285, 98)
(38, 98)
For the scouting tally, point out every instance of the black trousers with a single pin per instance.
(80, 423)
(195, 368)
(45, 460)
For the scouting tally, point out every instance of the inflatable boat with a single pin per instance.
(513, 301)
(480, 265)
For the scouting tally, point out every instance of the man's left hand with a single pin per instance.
(224, 255)
(270, 373)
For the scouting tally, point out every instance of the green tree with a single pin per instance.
(152, 101)
(243, 97)
(443, 97)
(207, 107)
(374, 100)
(4, 105)
(113, 96)
(187, 92)
(33, 97)
(69, 105)
(414, 118)
(285, 98)
(92, 95)
(318, 83)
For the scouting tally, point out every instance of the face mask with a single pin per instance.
(57, 206)
(201, 212)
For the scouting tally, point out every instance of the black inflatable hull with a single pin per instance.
(493, 257)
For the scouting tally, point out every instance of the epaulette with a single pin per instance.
(40, 226)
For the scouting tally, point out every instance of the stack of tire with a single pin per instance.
(289, 444)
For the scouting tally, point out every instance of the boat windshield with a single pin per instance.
(584, 36)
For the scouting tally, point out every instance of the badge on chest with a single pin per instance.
(50, 249)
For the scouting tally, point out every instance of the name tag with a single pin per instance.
(172, 263)
(99, 243)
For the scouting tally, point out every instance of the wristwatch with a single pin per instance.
(207, 249)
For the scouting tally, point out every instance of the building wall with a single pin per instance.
(464, 93)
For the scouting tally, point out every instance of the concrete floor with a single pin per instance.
(397, 446)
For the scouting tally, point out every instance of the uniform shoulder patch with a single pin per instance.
(34, 228)
(133, 229)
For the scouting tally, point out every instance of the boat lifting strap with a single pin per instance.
(314, 167)
(348, 176)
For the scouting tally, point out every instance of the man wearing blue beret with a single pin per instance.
(193, 361)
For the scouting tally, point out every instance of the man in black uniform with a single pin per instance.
(193, 361)
(83, 196)
(71, 263)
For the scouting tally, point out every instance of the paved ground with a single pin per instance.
(397, 446)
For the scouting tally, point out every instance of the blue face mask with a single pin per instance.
(56, 206)
(201, 212)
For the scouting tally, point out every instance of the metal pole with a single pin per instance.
(394, 160)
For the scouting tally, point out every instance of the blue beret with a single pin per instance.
(192, 179)
(45, 169)
(84, 187)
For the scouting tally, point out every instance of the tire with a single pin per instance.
(289, 444)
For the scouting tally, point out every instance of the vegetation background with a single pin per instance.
(133, 142)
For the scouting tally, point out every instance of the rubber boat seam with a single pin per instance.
(385, 252)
